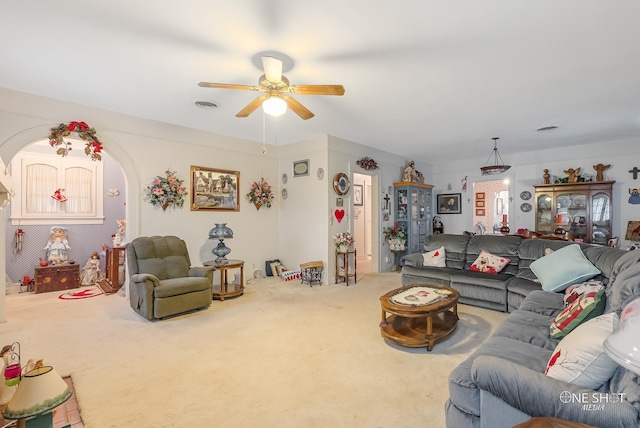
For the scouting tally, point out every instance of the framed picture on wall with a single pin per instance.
(449, 203)
(301, 168)
(480, 195)
(479, 204)
(480, 212)
(357, 194)
(214, 189)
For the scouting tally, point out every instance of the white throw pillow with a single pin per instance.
(434, 258)
(580, 359)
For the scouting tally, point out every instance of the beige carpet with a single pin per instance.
(282, 355)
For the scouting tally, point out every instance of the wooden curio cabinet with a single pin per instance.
(583, 210)
(413, 204)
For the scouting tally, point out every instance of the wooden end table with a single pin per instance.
(413, 325)
(224, 292)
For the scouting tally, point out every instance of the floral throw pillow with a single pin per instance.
(434, 258)
(489, 263)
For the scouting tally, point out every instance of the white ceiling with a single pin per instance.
(426, 79)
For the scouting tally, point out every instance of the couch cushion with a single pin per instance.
(463, 392)
(563, 267)
(502, 246)
(586, 306)
(455, 247)
(626, 285)
(580, 358)
(428, 272)
(528, 327)
(176, 286)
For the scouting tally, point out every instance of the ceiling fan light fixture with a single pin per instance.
(498, 166)
(274, 106)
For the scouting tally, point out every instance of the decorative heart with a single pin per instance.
(339, 215)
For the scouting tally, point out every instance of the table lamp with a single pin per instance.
(39, 392)
(623, 346)
(221, 232)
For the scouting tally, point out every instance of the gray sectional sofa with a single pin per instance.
(503, 382)
(505, 291)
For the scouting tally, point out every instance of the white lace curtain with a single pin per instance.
(42, 180)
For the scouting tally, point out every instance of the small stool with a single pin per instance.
(311, 272)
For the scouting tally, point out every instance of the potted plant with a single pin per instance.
(396, 236)
(343, 241)
(260, 194)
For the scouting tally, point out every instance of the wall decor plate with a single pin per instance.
(285, 178)
(284, 193)
(526, 207)
(320, 173)
(341, 184)
(525, 196)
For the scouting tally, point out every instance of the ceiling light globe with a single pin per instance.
(274, 106)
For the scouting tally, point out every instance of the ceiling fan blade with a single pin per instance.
(317, 89)
(272, 68)
(298, 108)
(228, 86)
(251, 107)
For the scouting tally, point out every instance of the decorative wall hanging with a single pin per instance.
(260, 194)
(301, 168)
(634, 172)
(357, 194)
(339, 215)
(113, 192)
(367, 163)
(214, 189)
(166, 191)
(341, 184)
(59, 196)
(92, 148)
(634, 197)
(449, 203)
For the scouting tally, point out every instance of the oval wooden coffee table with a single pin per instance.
(420, 315)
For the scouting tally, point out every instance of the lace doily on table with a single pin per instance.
(419, 296)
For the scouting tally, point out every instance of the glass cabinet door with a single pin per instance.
(544, 222)
(601, 218)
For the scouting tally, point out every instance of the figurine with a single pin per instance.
(546, 176)
(57, 245)
(119, 237)
(91, 272)
(573, 174)
(409, 172)
(600, 169)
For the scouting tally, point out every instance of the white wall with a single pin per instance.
(527, 169)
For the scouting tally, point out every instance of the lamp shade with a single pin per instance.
(41, 390)
(623, 346)
(498, 166)
(221, 231)
(274, 106)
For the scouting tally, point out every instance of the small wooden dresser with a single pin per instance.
(56, 278)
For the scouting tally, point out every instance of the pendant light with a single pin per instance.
(497, 167)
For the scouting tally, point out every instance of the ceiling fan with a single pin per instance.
(276, 87)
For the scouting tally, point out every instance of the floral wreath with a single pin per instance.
(260, 194)
(92, 148)
(367, 163)
(166, 191)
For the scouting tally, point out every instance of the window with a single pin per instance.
(37, 176)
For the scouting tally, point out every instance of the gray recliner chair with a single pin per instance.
(162, 281)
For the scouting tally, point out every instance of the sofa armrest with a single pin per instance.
(536, 394)
(415, 260)
(143, 277)
(201, 270)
